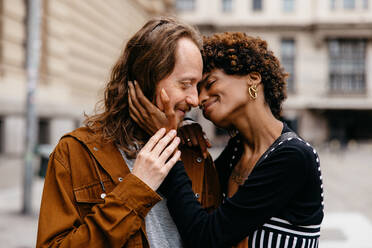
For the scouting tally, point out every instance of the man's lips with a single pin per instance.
(182, 112)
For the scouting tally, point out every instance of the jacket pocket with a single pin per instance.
(88, 196)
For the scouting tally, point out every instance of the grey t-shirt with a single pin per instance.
(160, 228)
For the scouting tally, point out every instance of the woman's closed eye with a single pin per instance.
(209, 84)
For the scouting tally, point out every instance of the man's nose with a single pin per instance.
(192, 98)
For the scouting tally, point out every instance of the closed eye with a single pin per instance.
(209, 84)
(186, 84)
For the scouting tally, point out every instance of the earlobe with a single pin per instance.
(253, 91)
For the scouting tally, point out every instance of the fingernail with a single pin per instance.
(135, 82)
(172, 132)
(177, 139)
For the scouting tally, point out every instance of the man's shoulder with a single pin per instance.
(83, 134)
(74, 142)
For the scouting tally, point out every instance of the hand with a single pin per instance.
(149, 117)
(193, 135)
(157, 157)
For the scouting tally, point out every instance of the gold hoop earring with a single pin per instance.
(253, 91)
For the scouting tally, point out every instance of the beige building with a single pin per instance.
(326, 46)
(81, 40)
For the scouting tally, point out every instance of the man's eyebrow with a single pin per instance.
(186, 78)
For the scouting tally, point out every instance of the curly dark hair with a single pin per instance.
(239, 54)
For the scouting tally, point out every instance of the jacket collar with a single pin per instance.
(106, 153)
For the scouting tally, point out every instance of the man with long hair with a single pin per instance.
(98, 191)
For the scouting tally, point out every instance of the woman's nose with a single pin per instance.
(202, 97)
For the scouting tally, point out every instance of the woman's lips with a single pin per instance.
(207, 106)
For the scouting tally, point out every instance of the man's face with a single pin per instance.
(180, 85)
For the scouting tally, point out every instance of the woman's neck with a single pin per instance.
(259, 128)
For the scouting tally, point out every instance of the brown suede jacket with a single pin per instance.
(90, 198)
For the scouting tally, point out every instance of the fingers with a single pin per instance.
(168, 109)
(169, 150)
(181, 135)
(171, 162)
(188, 135)
(209, 145)
(134, 101)
(137, 117)
(203, 146)
(163, 142)
(195, 131)
(154, 140)
(142, 98)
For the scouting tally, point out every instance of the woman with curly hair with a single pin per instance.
(270, 177)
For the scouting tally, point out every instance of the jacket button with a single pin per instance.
(95, 148)
(197, 196)
(120, 179)
(199, 159)
(103, 195)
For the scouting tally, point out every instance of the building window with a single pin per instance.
(288, 5)
(365, 4)
(2, 134)
(185, 5)
(288, 54)
(44, 131)
(347, 62)
(349, 4)
(227, 5)
(332, 4)
(257, 5)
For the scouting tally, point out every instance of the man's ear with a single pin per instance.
(254, 78)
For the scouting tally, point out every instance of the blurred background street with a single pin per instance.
(325, 46)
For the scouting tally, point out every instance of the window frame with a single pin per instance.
(182, 5)
(230, 7)
(257, 5)
(288, 3)
(347, 66)
(288, 61)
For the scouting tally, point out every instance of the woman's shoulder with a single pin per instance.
(295, 151)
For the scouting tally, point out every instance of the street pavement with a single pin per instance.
(347, 186)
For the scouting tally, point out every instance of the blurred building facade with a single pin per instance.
(81, 40)
(325, 45)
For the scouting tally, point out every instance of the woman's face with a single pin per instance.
(222, 97)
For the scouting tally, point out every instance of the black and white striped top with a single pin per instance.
(279, 205)
(280, 233)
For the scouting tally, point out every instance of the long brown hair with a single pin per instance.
(148, 57)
